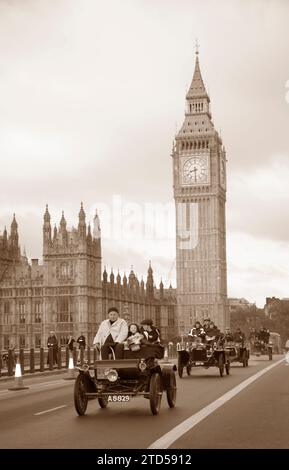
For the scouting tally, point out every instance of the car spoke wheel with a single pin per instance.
(80, 399)
(103, 402)
(221, 365)
(172, 391)
(155, 393)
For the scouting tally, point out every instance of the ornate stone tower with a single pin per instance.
(72, 276)
(199, 172)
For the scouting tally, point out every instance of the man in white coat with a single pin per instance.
(111, 334)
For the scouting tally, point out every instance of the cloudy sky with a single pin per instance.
(91, 95)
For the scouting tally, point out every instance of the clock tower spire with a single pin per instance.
(199, 169)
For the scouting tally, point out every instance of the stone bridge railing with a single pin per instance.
(43, 359)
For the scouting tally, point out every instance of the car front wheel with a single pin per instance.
(80, 399)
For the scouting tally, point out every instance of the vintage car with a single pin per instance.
(261, 348)
(203, 353)
(119, 380)
(238, 352)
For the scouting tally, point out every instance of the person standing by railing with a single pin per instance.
(52, 343)
(81, 345)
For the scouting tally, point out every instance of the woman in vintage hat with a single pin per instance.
(150, 332)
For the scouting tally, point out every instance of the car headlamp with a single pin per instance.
(85, 366)
(142, 365)
(111, 375)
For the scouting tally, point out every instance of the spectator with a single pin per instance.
(52, 343)
(70, 343)
(81, 344)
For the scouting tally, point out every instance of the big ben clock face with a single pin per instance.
(196, 170)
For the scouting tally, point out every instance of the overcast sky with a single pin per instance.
(91, 95)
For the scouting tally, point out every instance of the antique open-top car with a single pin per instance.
(119, 380)
(199, 353)
(260, 348)
(238, 352)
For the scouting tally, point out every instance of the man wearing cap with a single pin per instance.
(206, 324)
(151, 333)
(111, 333)
(228, 334)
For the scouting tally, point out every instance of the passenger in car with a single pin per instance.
(134, 339)
(150, 332)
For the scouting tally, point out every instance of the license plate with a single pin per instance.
(199, 363)
(118, 398)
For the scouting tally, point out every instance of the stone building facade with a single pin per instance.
(68, 292)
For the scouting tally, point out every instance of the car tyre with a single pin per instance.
(172, 391)
(155, 393)
(228, 366)
(221, 365)
(180, 368)
(80, 399)
(244, 358)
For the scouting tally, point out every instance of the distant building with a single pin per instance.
(236, 303)
(69, 293)
(272, 303)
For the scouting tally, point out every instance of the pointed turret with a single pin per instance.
(131, 278)
(62, 222)
(96, 226)
(197, 88)
(54, 233)
(14, 225)
(14, 233)
(111, 277)
(197, 116)
(46, 216)
(81, 222)
(5, 237)
(104, 275)
(63, 230)
(118, 278)
(89, 237)
(46, 229)
(150, 282)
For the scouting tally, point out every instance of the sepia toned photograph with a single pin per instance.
(144, 249)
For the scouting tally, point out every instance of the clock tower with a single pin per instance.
(199, 172)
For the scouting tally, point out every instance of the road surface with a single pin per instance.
(246, 415)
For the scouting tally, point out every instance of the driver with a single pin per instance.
(228, 334)
(206, 323)
(197, 330)
(111, 333)
(239, 336)
(213, 330)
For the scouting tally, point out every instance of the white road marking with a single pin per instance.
(51, 409)
(170, 437)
